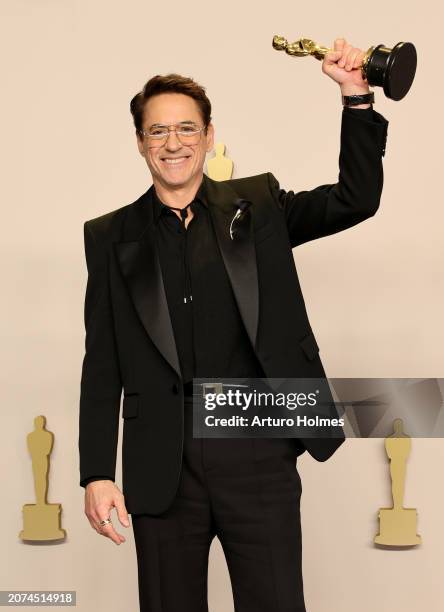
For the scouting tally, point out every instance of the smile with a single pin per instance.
(175, 161)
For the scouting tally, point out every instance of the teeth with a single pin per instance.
(177, 160)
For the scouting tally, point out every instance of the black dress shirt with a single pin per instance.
(210, 337)
(209, 332)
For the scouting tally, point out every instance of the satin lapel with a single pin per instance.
(140, 266)
(239, 254)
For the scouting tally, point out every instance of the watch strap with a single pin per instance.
(356, 99)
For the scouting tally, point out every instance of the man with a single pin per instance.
(170, 297)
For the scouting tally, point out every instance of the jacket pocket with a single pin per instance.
(130, 407)
(309, 346)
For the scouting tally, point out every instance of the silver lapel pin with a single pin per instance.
(242, 206)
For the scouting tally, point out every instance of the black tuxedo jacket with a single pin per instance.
(129, 341)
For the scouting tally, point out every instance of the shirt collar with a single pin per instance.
(160, 207)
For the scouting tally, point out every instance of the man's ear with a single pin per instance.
(210, 137)
(140, 143)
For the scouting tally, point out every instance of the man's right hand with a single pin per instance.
(101, 496)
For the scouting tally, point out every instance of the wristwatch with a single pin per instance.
(358, 99)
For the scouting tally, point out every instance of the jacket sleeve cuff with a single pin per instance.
(86, 481)
(363, 113)
(368, 116)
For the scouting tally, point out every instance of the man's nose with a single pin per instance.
(172, 142)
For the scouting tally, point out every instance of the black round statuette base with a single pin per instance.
(393, 69)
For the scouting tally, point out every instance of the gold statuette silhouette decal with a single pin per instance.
(397, 525)
(220, 168)
(41, 521)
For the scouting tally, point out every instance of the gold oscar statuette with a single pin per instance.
(220, 167)
(393, 69)
(41, 521)
(397, 525)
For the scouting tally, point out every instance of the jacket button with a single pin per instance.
(175, 389)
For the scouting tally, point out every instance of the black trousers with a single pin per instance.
(247, 493)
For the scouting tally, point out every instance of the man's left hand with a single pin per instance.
(342, 65)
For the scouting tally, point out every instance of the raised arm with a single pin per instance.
(330, 208)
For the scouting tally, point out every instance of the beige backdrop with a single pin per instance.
(374, 293)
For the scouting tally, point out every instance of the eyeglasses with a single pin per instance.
(187, 133)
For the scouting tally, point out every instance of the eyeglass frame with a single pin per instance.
(142, 132)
